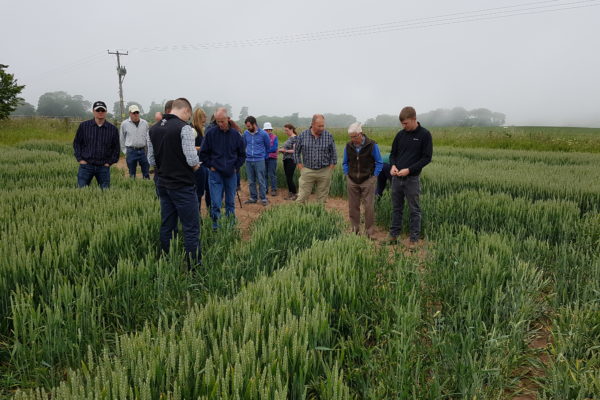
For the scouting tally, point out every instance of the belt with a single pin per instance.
(136, 148)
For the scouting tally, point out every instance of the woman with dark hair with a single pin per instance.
(289, 166)
(198, 121)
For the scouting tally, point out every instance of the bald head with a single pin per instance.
(221, 112)
(222, 119)
(317, 125)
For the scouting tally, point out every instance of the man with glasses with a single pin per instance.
(133, 142)
(96, 147)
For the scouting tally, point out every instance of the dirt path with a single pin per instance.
(248, 213)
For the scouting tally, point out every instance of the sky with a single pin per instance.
(538, 62)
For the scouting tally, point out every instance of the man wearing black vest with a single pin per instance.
(362, 163)
(171, 149)
(411, 151)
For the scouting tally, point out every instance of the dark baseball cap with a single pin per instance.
(99, 104)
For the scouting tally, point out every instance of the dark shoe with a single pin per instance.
(274, 192)
(250, 201)
(391, 240)
(264, 202)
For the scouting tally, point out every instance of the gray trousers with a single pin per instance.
(408, 187)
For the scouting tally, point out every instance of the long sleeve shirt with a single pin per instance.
(188, 140)
(132, 135)
(257, 145)
(223, 150)
(374, 152)
(315, 152)
(273, 145)
(97, 145)
(412, 150)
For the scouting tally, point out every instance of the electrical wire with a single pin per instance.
(538, 7)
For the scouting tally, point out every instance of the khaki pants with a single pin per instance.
(319, 177)
(361, 193)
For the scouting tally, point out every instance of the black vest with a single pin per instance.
(361, 165)
(173, 169)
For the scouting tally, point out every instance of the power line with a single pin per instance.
(530, 8)
(538, 7)
(76, 64)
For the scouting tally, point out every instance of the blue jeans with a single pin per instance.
(408, 187)
(255, 171)
(135, 156)
(272, 174)
(202, 188)
(180, 203)
(218, 185)
(87, 172)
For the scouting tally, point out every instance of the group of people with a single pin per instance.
(191, 162)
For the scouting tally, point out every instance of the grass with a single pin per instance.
(89, 308)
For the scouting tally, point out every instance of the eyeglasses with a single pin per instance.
(100, 110)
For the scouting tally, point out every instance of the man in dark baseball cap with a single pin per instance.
(99, 105)
(96, 147)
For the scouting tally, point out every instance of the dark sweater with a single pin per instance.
(223, 150)
(98, 145)
(173, 169)
(412, 150)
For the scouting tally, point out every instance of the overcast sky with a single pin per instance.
(541, 67)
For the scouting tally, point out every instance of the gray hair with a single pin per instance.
(221, 111)
(355, 127)
(316, 117)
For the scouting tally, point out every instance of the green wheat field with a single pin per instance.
(502, 300)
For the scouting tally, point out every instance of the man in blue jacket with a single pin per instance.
(362, 164)
(257, 144)
(223, 153)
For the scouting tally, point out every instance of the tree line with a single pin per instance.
(61, 104)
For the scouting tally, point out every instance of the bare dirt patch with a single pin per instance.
(248, 213)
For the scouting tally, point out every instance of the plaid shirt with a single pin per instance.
(315, 152)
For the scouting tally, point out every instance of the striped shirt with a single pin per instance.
(132, 135)
(315, 152)
(97, 145)
(290, 144)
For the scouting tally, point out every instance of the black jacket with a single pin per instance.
(412, 150)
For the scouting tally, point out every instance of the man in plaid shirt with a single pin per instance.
(315, 156)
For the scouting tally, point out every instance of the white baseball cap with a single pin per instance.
(267, 125)
(133, 108)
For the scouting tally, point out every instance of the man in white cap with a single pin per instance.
(271, 161)
(134, 132)
(96, 148)
(362, 164)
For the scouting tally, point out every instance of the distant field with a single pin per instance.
(515, 138)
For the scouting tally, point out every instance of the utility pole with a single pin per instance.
(121, 72)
